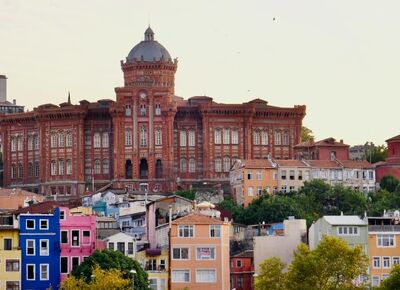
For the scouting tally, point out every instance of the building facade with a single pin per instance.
(326, 149)
(148, 138)
(242, 270)
(391, 166)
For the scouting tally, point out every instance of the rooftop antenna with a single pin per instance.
(69, 98)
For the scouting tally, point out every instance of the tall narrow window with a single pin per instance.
(30, 142)
(20, 143)
(68, 139)
(182, 138)
(158, 136)
(97, 166)
(278, 138)
(256, 137)
(30, 169)
(158, 109)
(69, 167)
(54, 140)
(128, 137)
(227, 164)
(192, 138)
(218, 165)
(286, 138)
(143, 110)
(36, 141)
(37, 169)
(264, 137)
(235, 136)
(20, 170)
(143, 137)
(128, 110)
(13, 144)
(183, 165)
(96, 140)
(192, 165)
(105, 140)
(53, 167)
(13, 171)
(61, 140)
(217, 137)
(106, 166)
(225, 136)
(61, 167)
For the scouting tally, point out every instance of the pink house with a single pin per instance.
(78, 239)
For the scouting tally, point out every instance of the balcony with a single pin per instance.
(384, 228)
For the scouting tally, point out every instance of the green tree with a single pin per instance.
(306, 134)
(189, 194)
(107, 260)
(373, 153)
(393, 281)
(389, 183)
(271, 275)
(332, 265)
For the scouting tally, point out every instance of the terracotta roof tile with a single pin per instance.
(323, 163)
(290, 163)
(42, 207)
(245, 254)
(257, 163)
(355, 164)
(197, 219)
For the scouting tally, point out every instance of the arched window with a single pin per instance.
(235, 136)
(54, 140)
(158, 136)
(158, 109)
(96, 140)
(217, 136)
(30, 142)
(61, 140)
(37, 169)
(159, 168)
(128, 168)
(13, 144)
(256, 137)
(20, 143)
(128, 137)
(106, 142)
(225, 136)
(227, 164)
(36, 141)
(69, 167)
(182, 138)
(20, 170)
(286, 138)
(97, 166)
(277, 138)
(218, 165)
(192, 165)
(128, 110)
(68, 139)
(30, 169)
(183, 165)
(106, 166)
(61, 167)
(143, 137)
(264, 137)
(53, 167)
(143, 110)
(192, 139)
(13, 171)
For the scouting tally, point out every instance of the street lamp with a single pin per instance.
(133, 272)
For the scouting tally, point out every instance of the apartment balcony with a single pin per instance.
(383, 228)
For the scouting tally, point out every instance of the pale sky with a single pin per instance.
(340, 58)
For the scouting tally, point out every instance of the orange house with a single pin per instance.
(199, 253)
(383, 245)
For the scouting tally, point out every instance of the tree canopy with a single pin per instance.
(373, 153)
(389, 183)
(393, 281)
(306, 134)
(318, 269)
(106, 260)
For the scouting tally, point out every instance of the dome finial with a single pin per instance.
(149, 34)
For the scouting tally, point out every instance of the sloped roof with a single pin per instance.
(323, 163)
(395, 138)
(245, 254)
(360, 164)
(345, 220)
(257, 163)
(290, 163)
(42, 207)
(197, 219)
(322, 143)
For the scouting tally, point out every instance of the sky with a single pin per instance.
(339, 58)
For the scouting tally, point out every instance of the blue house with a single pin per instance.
(40, 248)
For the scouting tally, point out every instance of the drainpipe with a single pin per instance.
(169, 247)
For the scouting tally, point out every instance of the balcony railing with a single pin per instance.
(384, 228)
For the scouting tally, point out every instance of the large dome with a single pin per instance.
(149, 49)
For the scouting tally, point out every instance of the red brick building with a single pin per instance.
(242, 271)
(326, 149)
(391, 166)
(147, 138)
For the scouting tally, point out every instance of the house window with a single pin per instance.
(54, 140)
(86, 234)
(130, 248)
(7, 244)
(75, 262)
(218, 165)
(143, 110)
(206, 276)
(192, 139)
(44, 247)
(44, 272)
(69, 167)
(12, 265)
(13, 171)
(259, 175)
(375, 281)
(13, 144)
(227, 164)
(286, 139)
(183, 165)
(111, 246)
(106, 142)
(20, 170)
(30, 169)
(53, 167)
(264, 138)
(37, 169)
(182, 138)
(12, 285)
(259, 191)
(225, 136)
(158, 109)
(64, 237)
(61, 140)
(30, 247)
(153, 284)
(300, 175)
(217, 136)
(64, 265)
(186, 231)
(143, 137)
(291, 174)
(385, 240)
(256, 137)
(30, 142)
(128, 110)
(215, 231)
(277, 138)
(44, 224)
(238, 263)
(158, 136)
(180, 276)
(396, 261)
(283, 174)
(96, 141)
(347, 230)
(162, 265)
(30, 224)
(239, 281)
(121, 247)
(385, 262)
(68, 139)
(250, 175)
(151, 265)
(192, 165)
(20, 143)
(30, 271)
(205, 253)
(106, 166)
(250, 191)
(180, 253)
(128, 137)
(75, 238)
(97, 166)
(61, 167)
(283, 188)
(235, 137)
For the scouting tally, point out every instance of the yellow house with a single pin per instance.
(155, 263)
(383, 245)
(252, 178)
(10, 253)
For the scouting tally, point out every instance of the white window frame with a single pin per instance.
(235, 137)
(216, 229)
(47, 224)
(26, 224)
(34, 272)
(256, 137)
(47, 271)
(69, 166)
(27, 247)
(96, 140)
(44, 251)
(182, 138)
(192, 165)
(158, 137)
(376, 262)
(209, 270)
(192, 138)
(395, 260)
(180, 253)
(250, 191)
(190, 228)
(264, 137)
(226, 136)
(67, 259)
(379, 239)
(61, 167)
(128, 137)
(217, 136)
(259, 174)
(386, 262)
(68, 139)
(213, 253)
(218, 165)
(176, 270)
(375, 280)
(227, 164)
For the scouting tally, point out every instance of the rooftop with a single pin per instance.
(197, 219)
(345, 220)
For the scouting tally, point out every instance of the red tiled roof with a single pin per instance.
(257, 163)
(355, 164)
(245, 254)
(395, 138)
(323, 163)
(197, 219)
(322, 143)
(42, 207)
(290, 163)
